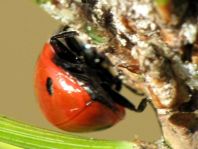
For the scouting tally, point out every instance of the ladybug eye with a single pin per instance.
(49, 86)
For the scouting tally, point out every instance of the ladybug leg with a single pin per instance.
(92, 58)
(118, 83)
(71, 42)
(125, 103)
(63, 52)
(118, 86)
(65, 58)
(121, 100)
(79, 49)
(65, 34)
(139, 93)
(68, 66)
(142, 105)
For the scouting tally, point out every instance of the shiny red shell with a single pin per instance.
(69, 106)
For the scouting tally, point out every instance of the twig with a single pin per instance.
(153, 46)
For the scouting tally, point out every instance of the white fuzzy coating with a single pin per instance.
(165, 92)
(141, 13)
(141, 9)
(191, 71)
(64, 15)
(189, 31)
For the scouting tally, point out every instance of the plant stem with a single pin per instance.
(164, 9)
(26, 136)
(162, 2)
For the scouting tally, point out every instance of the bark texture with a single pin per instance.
(153, 46)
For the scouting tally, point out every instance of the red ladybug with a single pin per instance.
(76, 93)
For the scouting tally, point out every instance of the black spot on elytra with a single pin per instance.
(49, 86)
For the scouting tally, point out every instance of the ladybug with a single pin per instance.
(75, 91)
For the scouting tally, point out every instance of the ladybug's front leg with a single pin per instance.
(65, 34)
(63, 51)
(64, 56)
(71, 42)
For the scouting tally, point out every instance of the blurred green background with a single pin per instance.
(24, 28)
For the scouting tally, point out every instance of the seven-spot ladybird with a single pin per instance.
(75, 91)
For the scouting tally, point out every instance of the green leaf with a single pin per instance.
(94, 34)
(162, 2)
(42, 1)
(26, 136)
(8, 146)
